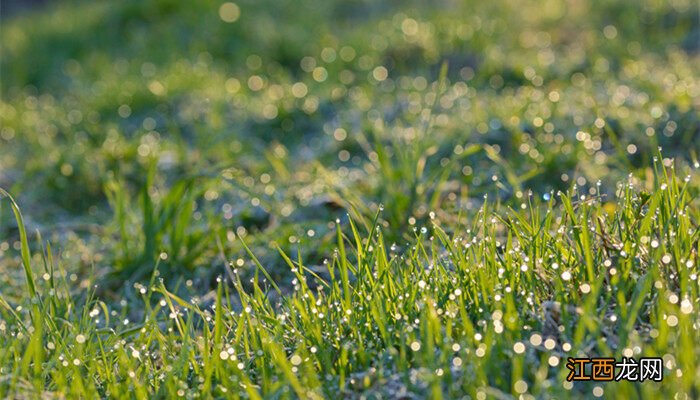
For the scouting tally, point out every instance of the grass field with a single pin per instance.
(350, 199)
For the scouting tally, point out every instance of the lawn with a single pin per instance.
(350, 199)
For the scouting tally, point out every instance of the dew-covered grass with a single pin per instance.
(312, 199)
(491, 307)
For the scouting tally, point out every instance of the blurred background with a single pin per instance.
(143, 130)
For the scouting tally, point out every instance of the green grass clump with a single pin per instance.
(493, 308)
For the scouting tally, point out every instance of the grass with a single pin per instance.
(491, 309)
(347, 198)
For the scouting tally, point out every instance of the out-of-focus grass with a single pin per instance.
(537, 96)
(151, 139)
